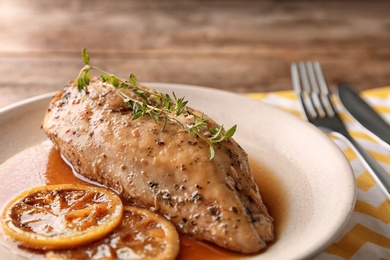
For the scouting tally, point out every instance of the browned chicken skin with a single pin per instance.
(169, 171)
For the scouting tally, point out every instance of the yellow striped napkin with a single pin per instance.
(367, 234)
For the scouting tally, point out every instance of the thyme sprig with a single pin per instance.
(144, 101)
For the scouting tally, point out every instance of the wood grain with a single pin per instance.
(240, 46)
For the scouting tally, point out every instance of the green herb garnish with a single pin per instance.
(144, 101)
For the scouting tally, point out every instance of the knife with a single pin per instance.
(364, 113)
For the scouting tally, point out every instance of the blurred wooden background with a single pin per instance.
(241, 46)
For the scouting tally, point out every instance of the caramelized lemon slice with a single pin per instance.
(142, 234)
(62, 216)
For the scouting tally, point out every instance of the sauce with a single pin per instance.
(273, 194)
(43, 165)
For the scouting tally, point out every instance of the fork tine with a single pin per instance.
(295, 79)
(304, 78)
(321, 78)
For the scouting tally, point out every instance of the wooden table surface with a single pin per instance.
(241, 46)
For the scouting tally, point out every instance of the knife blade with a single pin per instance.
(364, 113)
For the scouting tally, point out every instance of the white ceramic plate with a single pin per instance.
(318, 180)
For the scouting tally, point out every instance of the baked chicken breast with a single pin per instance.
(167, 170)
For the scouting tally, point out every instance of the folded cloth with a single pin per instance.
(367, 233)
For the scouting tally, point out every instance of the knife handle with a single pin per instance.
(374, 168)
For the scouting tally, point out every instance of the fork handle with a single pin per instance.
(374, 168)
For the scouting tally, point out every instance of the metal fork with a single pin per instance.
(311, 88)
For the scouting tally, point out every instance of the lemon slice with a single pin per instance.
(142, 234)
(61, 216)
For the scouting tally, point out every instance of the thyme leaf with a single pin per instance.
(144, 101)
